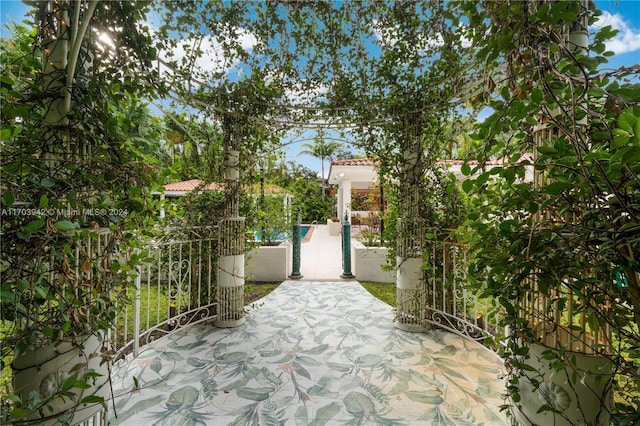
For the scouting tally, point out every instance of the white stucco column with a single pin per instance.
(346, 198)
(339, 211)
(162, 211)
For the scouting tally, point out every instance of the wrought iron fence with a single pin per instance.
(175, 287)
(444, 299)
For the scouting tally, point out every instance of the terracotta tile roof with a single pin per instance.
(495, 162)
(274, 189)
(190, 185)
(354, 162)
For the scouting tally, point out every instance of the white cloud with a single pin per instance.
(465, 41)
(211, 59)
(389, 37)
(247, 40)
(627, 40)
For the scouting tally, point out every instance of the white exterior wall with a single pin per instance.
(269, 263)
(345, 193)
(368, 261)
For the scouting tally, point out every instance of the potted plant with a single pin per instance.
(273, 224)
(270, 257)
(371, 259)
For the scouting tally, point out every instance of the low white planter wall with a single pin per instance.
(334, 227)
(368, 261)
(269, 263)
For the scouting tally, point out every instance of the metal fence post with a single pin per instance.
(136, 311)
(295, 273)
(346, 248)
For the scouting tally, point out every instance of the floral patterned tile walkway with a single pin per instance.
(311, 353)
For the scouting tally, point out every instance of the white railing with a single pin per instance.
(175, 287)
(452, 305)
(444, 299)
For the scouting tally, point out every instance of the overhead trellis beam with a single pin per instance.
(469, 91)
(347, 59)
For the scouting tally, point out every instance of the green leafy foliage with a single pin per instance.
(395, 71)
(274, 222)
(562, 239)
(76, 178)
(308, 199)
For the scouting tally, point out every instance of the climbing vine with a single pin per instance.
(571, 235)
(395, 74)
(76, 180)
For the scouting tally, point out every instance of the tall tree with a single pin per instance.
(323, 150)
(143, 130)
(196, 145)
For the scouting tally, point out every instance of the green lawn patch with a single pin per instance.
(257, 290)
(383, 291)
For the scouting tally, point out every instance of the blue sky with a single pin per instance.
(623, 15)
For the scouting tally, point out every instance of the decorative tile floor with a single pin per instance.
(311, 353)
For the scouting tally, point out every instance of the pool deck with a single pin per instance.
(321, 256)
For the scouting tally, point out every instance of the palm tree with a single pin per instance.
(321, 149)
(139, 126)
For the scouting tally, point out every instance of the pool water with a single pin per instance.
(304, 231)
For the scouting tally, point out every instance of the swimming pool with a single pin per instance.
(305, 234)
